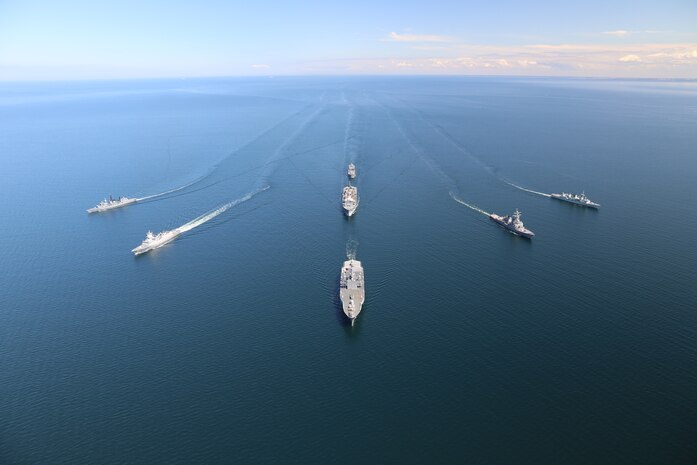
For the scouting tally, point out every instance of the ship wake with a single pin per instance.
(462, 202)
(351, 249)
(172, 191)
(168, 236)
(213, 213)
(449, 182)
(524, 189)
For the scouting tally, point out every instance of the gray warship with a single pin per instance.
(577, 199)
(111, 203)
(513, 224)
(155, 241)
(352, 288)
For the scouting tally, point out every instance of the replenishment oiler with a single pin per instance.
(111, 203)
(153, 241)
(349, 200)
(351, 171)
(577, 199)
(513, 224)
(351, 289)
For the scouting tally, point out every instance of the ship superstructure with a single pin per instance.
(352, 288)
(153, 241)
(111, 203)
(513, 223)
(577, 199)
(349, 200)
(351, 171)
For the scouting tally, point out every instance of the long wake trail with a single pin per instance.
(448, 181)
(213, 213)
(524, 189)
(465, 151)
(213, 169)
(462, 202)
(171, 191)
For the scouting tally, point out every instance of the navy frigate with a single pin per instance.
(577, 199)
(111, 203)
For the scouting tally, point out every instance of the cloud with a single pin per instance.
(624, 33)
(261, 66)
(620, 33)
(394, 37)
(627, 60)
(649, 60)
(527, 63)
(680, 56)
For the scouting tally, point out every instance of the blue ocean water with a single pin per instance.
(229, 345)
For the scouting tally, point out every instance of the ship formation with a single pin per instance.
(578, 199)
(111, 203)
(513, 224)
(351, 281)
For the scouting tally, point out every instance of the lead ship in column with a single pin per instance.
(352, 289)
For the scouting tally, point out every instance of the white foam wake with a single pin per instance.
(213, 213)
(524, 189)
(473, 207)
(351, 249)
(176, 189)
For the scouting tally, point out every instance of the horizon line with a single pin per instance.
(331, 75)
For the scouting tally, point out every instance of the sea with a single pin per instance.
(229, 344)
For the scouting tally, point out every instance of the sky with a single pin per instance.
(96, 39)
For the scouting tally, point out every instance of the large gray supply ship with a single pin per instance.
(513, 224)
(349, 200)
(111, 203)
(352, 288)
(577, 199)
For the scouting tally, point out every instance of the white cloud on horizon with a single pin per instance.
(625, 33)
(620, 33)
(261, 66)
(395, 37)
(593, 60)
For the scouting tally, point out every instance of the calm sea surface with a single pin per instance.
(229, 345)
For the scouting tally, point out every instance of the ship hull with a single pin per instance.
(499, 220)
(141, 250)
(112, 207)
(575, 202)
(352, 295)
(350, 211)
